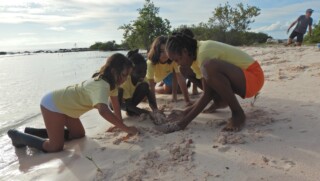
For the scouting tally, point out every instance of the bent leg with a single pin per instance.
(75, 128)
(227, 80)
(54, 123)
(190, 75)
(42, 132)
(218, 103)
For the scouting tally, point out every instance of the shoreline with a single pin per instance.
(61, 50)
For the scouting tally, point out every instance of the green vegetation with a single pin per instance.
(228, 24)
(141, 32)
(107, 46)
(315, 38)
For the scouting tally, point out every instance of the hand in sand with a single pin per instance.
(158, 117)
(175, 115)
(132, 130)
(168, 128)
(113, 129)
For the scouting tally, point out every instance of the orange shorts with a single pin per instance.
(254, 79)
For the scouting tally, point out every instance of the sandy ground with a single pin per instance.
(279, 142)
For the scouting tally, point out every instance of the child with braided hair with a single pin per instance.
(224, 70)
(187, 71)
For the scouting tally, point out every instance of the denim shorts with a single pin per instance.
(168, 80)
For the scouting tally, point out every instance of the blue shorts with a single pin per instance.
(47, 102)
(168, 80)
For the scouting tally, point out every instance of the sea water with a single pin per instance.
(24, 79)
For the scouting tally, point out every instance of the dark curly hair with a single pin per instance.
(184, 31)
(135, 57)
(179, 41)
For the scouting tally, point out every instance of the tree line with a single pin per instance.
(228, 24)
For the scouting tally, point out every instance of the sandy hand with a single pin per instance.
(168, 128)
(132, 130)
(126, 138)
(158, 117)
(113, 129)
(175, 115)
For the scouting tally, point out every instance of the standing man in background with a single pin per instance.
(302, 24)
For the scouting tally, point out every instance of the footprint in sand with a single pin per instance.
(224, 149)
(283, 164)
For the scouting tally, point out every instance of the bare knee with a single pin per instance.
(51, 147)
(78, 135)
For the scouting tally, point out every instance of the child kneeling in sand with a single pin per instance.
(161, 68)
(225, 71)
(136, 87)
(64, 107)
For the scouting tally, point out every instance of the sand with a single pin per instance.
(280, 140)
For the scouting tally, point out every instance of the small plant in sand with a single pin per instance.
(255, 99)
(94, 163)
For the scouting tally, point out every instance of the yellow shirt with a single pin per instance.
(160, 71)
(77, 99)
(209, 49)
(129, 88)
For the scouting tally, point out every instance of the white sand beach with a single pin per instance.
(280, 141)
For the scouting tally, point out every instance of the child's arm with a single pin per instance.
(184, 88)
(116, 106)
(152, 86)
(174, 87)
(152, 101)
(194, 110)
(106, 113)
(152, 95)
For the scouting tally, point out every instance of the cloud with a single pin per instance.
(59, 28)
(98, 20)
(56, 12)
(26, 34)
(277, 26)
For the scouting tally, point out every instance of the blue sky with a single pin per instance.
(51, 24)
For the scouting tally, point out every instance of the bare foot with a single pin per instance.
(235, 123)
(215, 106)
(188, 104)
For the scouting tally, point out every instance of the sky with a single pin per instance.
(53, 24)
